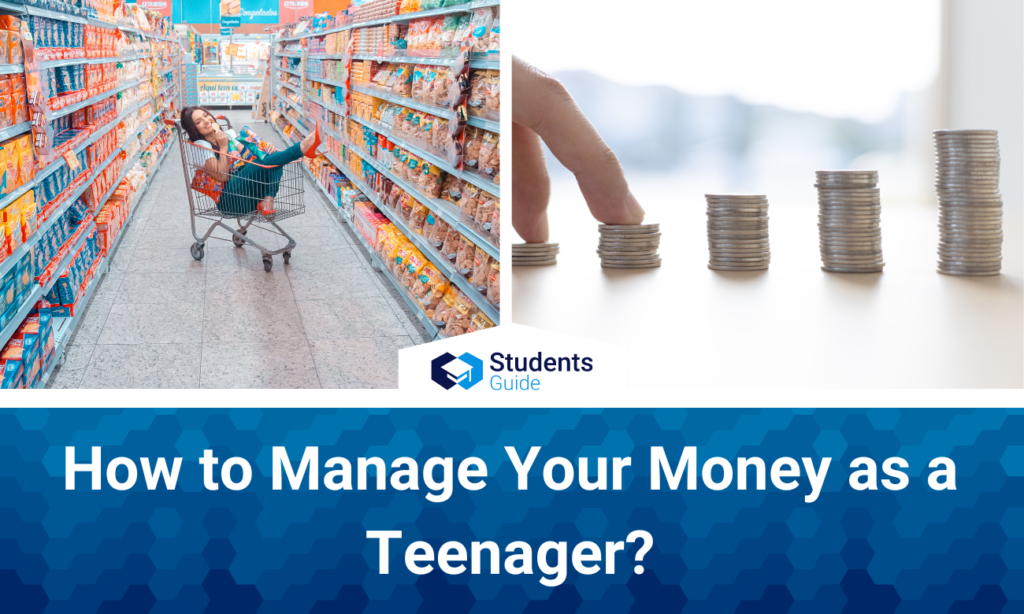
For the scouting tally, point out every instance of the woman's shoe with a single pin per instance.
(311, 152)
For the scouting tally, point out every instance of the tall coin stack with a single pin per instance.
(629, 246)
(738, 232)
(970, 205)
(849, 225)
(534, 254)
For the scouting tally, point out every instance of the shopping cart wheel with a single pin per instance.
(287, 256)
(197, 251)
(238, 242)
(268, 263)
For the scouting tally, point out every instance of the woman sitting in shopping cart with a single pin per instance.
(251, 187)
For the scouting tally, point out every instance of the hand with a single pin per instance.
(545, 110)
(270, 148)
(220, 139)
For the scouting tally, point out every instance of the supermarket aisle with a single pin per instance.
(160, 319)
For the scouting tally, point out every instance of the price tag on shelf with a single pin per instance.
(71, 159)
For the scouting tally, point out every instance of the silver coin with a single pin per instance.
(738, 246)
(631, 257)
(537, 259)
(630, 238)
(535, 263)
(529, 246)
(969, 273)
(740, 261)
(855, 270)
(614, 227)
(737, 197)
(629, 233)
(650, 261)
(740, 269)
(652, 265)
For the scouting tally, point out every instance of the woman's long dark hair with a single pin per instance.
(189, 124)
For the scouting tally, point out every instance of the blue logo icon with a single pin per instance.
(448, 371)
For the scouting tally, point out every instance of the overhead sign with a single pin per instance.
(228, 21)
(226, 31)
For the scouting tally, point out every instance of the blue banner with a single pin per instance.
(247, 11)
(532, 510)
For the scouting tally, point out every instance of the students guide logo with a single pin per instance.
(447, 371)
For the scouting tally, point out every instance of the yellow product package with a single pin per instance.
(479, 322)
(401, 258)
(458, 319)
(413, 266)
(447, 303)
(429, 289)
(418, 217)
(494, 285)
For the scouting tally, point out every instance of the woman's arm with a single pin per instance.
(219, 168)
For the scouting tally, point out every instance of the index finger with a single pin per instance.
(542, 104)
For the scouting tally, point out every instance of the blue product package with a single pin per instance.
(61, 311)
(12, 374)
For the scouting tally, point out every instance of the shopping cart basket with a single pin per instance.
(204, 194)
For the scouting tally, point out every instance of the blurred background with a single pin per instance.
(754, 96)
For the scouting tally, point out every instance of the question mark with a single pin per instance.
(648, 541)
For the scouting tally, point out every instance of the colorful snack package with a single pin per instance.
(405, 205)
(485, 212)
(468, 203)
(418, 217)
(480, 24)
(494, 285)
(401, 258)
(474, 140)
(477, 92)
(414, 264)
(458, 319)
(430, 180)
(481, 268)
(496, 223)
(447, 303)
(451, 189)
(465, 260)
(479, 322)
(487, 146)
(452, 244)
(494, 35)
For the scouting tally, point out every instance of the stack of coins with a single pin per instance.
(738, 232)
(534, 254)
(849, 225)
(970, 205)
(629, 247)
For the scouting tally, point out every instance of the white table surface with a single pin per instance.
(794, 326)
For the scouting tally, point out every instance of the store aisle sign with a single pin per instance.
(226, 31)
(228, 92)
(227, 21)
(161, 6)
(233, 14)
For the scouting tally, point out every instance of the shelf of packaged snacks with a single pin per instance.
(437, 205)
(289, 54)
(298, 125)
(290, 86)
(15, 130)
(77, 61)
(32, 297)
(289, 71)
(337, 215)
(459, 8)
(327, 81)
(417, 240)
(12, 69)
(291, 103)
(64, 328)
(38, 12)
(70, 255)
(405, 101)
(327, 105)
(479, 64)
(27, 246)
(486, 124)
(93, 100)
(434, 159)
(63, 335)
(59, 162)
(326, 56)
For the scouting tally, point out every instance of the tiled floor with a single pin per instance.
(160, 319)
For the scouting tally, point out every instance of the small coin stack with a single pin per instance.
(849, 224)
(534, 254)
(629, 247)
(970, 205)
(738, 232)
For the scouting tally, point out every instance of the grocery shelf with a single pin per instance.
(93, 100)
(326, 56)
(12, 327)
(327, 105)
(434, 159)
(324, 80)
(405, 17)
(298, 125)
(421, 244)
(439, 206)
(479, 64)
(38, 12)
(12, 69)
(486, 124)
(70, 255)
(291, 103)
(289, 71)
(15, 130)
(337, 215)
(62, 337)
(77, 61)
(289, 54)
(290, 86)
